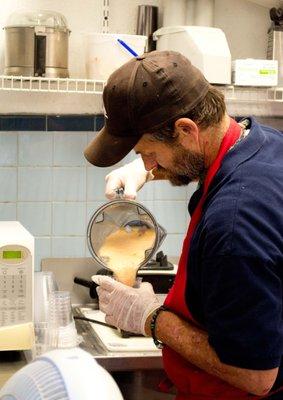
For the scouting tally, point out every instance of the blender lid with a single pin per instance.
(50, 19)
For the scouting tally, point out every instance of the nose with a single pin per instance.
(149, 163)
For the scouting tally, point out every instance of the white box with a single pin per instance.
(104, 54)
(252, 72)
(206, 47)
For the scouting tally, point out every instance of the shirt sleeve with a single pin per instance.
(242, 300)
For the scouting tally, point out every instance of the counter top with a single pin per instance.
(120, 361)
(10, 362)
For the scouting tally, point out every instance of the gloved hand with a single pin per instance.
(131, 177)
(124, 306)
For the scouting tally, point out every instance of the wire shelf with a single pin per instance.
(62, 85)
(252, 94)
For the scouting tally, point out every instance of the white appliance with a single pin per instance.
(65, 374)
(205, 47)
(253, 72)
(16, 287)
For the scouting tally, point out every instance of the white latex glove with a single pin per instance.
(131, 177)
(124, 306)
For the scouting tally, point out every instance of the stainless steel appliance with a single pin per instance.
(36, 44)
(147, 24)
(275, 41)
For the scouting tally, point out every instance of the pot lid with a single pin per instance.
(24, 18)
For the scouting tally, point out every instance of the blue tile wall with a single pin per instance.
(49, 187)
(66, 123)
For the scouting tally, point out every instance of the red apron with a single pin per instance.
(191, 382)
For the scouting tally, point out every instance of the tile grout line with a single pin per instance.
(52, 193)
(17, 197)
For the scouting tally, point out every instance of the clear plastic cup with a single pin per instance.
(60, 311)
(44, 285)
(42, 338)
(63, 332)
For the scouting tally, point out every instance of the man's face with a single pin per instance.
(180, 166)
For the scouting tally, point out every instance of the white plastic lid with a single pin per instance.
(51, 19)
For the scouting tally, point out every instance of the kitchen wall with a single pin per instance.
(45, 181)
(49, 187)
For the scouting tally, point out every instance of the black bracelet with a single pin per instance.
(157, 342)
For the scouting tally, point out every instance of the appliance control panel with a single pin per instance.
(15, 285)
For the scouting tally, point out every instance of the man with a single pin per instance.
(221, 327)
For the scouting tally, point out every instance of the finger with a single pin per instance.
(109, 319)
(146, 286)
(104, 307)
(130, 190)
(106, 282)
(112, 184)
(104, 296)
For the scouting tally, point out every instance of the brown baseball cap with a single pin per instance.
(141, 96)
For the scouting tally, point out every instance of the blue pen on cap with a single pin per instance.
(122, 43)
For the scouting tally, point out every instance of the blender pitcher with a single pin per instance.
(122, 236)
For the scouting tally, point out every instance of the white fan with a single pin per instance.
(64, 374)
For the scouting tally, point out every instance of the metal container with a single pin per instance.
(127, 215)
(147, 24)
(36, 44)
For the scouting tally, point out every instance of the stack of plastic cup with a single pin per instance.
(42, 340)
(44, 284)
(63, 333)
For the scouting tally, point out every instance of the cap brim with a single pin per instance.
(106, 150)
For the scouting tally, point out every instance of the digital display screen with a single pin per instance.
(11, 254)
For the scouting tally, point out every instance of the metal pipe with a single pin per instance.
(204, 13)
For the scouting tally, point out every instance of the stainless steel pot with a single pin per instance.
(36, 44)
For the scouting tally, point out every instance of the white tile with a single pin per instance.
(36, 217)
(8, 184)
(35, 184)
(9, 149)
(147, 192)
(69, 219)
(172, 245)
(163, 190)
(96, 183)
(8, 211)
(172, 215)
(35, 148)
(42, 250)
(68, 247)
(149, 204)
(69, 184)
(69, 148)
(92, 207)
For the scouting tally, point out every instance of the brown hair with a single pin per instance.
(208, 112)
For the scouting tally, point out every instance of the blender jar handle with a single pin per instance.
(120, 193)
(162, 233)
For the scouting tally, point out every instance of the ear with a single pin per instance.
(187, 131)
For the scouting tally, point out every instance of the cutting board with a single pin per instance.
(112, 340)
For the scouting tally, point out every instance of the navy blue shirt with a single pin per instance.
(235, 279)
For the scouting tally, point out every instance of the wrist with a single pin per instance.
(147, 329)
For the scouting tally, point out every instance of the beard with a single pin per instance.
(187, 167)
